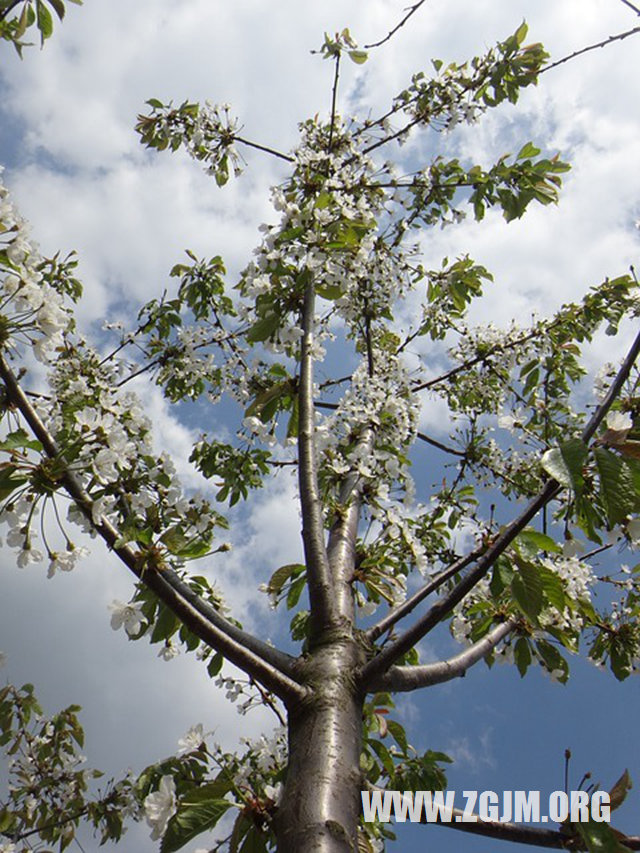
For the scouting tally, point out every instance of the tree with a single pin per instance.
(337, 272)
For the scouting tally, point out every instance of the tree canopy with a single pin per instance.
(324, 360)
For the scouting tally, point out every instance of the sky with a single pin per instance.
(79, 175)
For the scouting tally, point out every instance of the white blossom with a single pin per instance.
(160, 807)
(128, 616)
(192, 740)
(633, 530)
(619, 421)
(168, 651)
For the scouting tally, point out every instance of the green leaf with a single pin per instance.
(44, 21)
(527, 151)
(554, 464)
(215, 665)
(501, 577)
(565, 464)
(58, 6)
(522, 655)
(599, 838)
(23, 23)
(618, 794)
(553, 588)
(521, 33)
(358, 56)
(199, 811)
(187, 547)
(530, 542)
(295, 591)
(282, 575)
(166, 625)
(330, 291)
(255, 841)
(240, 829)
(20, 439)
(553, 660)
(399, 735)
(9, 483)
(263, 328)
(526, 587)
(616, 485)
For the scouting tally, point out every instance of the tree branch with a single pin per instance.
(341, 546)
(265, 148)
(320, 580)
(432, 441)
(607, 41)
(268, 665)
(5, 12)
(410, 604)
(386, 657)
(405, 678)
(391, 33)
(496, 348)
(334, 101)
(522, 834)
(631, 6)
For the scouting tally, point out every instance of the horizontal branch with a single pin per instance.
(402, 679)
(271, 667)
(518, 833)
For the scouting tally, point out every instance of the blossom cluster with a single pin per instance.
(32, 310)
(262, 765)
(577, 579)
(106, 439)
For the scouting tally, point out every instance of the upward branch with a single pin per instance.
(323, 611)
(270, 667)
(387, 656)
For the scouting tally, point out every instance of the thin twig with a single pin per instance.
(391, 33)
(631, 6)
(543, 329)
(410, 604)
(605, 43)
(434, 443)
(265, 148)
(334, 101)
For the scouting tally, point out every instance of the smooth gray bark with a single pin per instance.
(320, 808)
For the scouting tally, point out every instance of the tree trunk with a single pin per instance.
(321, 803)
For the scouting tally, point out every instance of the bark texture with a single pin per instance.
(321, 803)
